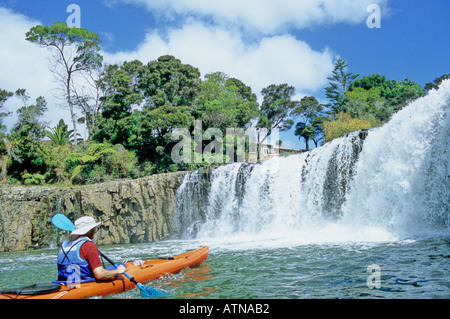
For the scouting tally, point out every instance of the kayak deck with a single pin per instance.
(147, 271)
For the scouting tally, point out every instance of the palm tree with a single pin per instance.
(60, 135)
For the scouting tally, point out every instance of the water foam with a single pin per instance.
(390, 185)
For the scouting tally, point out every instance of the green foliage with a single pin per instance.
(54, 158)
(436, 82)
(67, 64)
(344, 124)
(168, 81)
(311, 126)
(138, 107)
(4, 95)
(33, 179)
(338, 85)
(100, 160)
(363, 103)
(120, 85)
(391, 95)
(88, 157)
(60, 36)
(24, 138)
(224, 102)
(60, 135)
(277, 109)
(370, 101)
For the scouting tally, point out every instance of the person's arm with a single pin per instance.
(101, 273)
(89, 251)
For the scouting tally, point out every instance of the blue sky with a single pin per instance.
(260, 42)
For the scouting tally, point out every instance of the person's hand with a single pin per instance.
(121, 269)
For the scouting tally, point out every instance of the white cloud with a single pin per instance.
(271, 60)
(266, 16)
(24, 65)
(248, 39)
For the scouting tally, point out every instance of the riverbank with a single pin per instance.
(131, 211)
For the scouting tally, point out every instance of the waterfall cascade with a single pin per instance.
(391, 182)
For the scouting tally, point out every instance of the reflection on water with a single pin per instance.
(409, 269)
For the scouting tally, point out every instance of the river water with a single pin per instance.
(360, 217)
(255, 269)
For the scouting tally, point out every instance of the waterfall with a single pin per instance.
(389, 182)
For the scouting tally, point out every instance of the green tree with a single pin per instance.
(385, 96)
(277, 110)
(29, 116)
(310, 128)
(436, 82)
(25, 137)
(4, 95)
(60, 134)
(76, 51)
(306, 131)
(167, 81)
(119, 121)
(169, 88)
(143, 104)
(121, 89)
(363, 103)
(338, 85)
(224, 102)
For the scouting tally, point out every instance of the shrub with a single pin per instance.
(101, 160)
(344, 124)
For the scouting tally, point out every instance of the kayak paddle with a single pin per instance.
(64, 223)
(145, 291)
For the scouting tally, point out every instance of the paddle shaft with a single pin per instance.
(113, 263)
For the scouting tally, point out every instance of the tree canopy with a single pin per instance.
(135, 110)
(76, 51)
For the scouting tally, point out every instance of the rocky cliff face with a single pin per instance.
(131, 211)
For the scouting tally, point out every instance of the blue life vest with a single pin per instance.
(72, 268)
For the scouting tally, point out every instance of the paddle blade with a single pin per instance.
(150, 292)
(62, 222)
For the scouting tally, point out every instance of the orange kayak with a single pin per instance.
(148, 270)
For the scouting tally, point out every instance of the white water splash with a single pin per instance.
(403, 174)
(393, 185)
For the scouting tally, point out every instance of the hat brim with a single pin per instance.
(85, 229)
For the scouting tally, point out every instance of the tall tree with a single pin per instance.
(310, 128)
(339, 83)
(119, 118)
(169, 88)
(76, 51)
(224, 102)
(167, 81)
(277, 110)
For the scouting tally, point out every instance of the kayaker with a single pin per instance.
(80, 255)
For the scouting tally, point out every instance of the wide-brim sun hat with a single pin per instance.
(84, 224)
